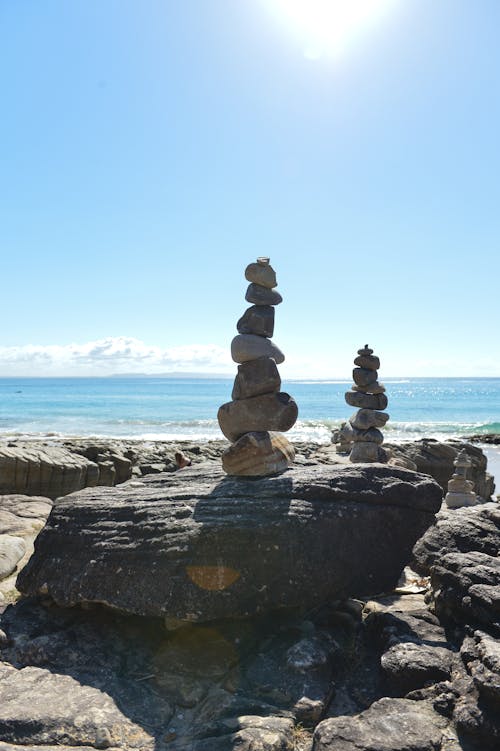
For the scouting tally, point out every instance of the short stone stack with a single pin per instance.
(367, 394)
(258, 407)
(460, 489)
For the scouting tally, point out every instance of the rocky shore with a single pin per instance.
(168, 606)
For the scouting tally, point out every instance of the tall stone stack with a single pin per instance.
(368, 395)
(460, 489)
(258, 407)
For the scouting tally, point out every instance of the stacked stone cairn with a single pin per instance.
(258, 407)
(368, 395)
(460, 489)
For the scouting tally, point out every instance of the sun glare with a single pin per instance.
(327, 27)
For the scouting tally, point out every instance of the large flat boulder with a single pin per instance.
(197, 545)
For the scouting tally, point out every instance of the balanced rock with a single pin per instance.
(261, 273)
(460, 490)
(372, 434)
(275, 412)
(259, 295)
(366, 451)
(370, 362)
(256, 377)
(363, 376)
(370, 388)
(259, 320)
(258, 454)
(366, 401)
(250, 347)
(367, 418)
(198, 545)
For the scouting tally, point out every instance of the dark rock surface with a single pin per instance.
(197, 545)
(436, 459)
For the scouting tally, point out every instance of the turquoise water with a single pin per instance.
(186, 408)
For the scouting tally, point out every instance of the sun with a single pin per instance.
(327, 27)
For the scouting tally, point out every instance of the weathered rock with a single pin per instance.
(409, 666)
(274, 412)
(388, 725)
(46, 471)
(366, 451)
(258, 454)
(256, 377)
(366, 401)
(250, 347)
(258, 295)
(436, 459)
(363, 376)
(370, 362)
(367, 418)
(198, 545)
(12, 550)
(459, 531)
(261, 273)
(481, 654)
(257, 320)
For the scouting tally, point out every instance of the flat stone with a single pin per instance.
(246, 347)
(366, 401)
(409, 666)
(261, 273)
(275, 412)
(365, 451)
(256, 377)
(199, 545)
(258, 454)
(259, 295)
(259, 320)
(368, 418)
(457, 500)
(370, 362)
(12, 549)
(370, 388)
(373, 435)
(363, 376)
(388, 725)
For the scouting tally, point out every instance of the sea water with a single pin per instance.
(167, 408)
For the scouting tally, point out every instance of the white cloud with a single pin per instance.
(111, 355)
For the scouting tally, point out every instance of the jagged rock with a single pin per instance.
(459, 531)
(409, 666)
(258, 454)
(256, 377)
(274, 412)
(363, 376)
(367, 418)
(257, 320)
(388, 725)
(436, 459)
(366, 401)
(48, 471)
(261, 273)
(198, 545)
(250, 347)
(259, 295)
(12, 550)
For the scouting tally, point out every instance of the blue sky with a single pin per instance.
(150, 150)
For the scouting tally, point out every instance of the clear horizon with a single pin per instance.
(151, 152)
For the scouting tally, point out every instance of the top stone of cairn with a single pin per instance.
(365, 351)
(261, 273)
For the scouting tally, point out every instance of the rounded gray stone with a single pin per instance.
(256, 377)
(12, 550)
(368, 418)
(371, 362)
(373, 435)
(259, 295)
(246, 347)
(371, 388)
(365, 451)
(268, 412)
(261, 273)
(363, 376)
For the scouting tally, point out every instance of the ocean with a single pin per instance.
(170, 409)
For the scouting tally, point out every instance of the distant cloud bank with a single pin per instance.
(111, 355)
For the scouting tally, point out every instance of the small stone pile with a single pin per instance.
(367, 394)
(460, 489)
(257, 407)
